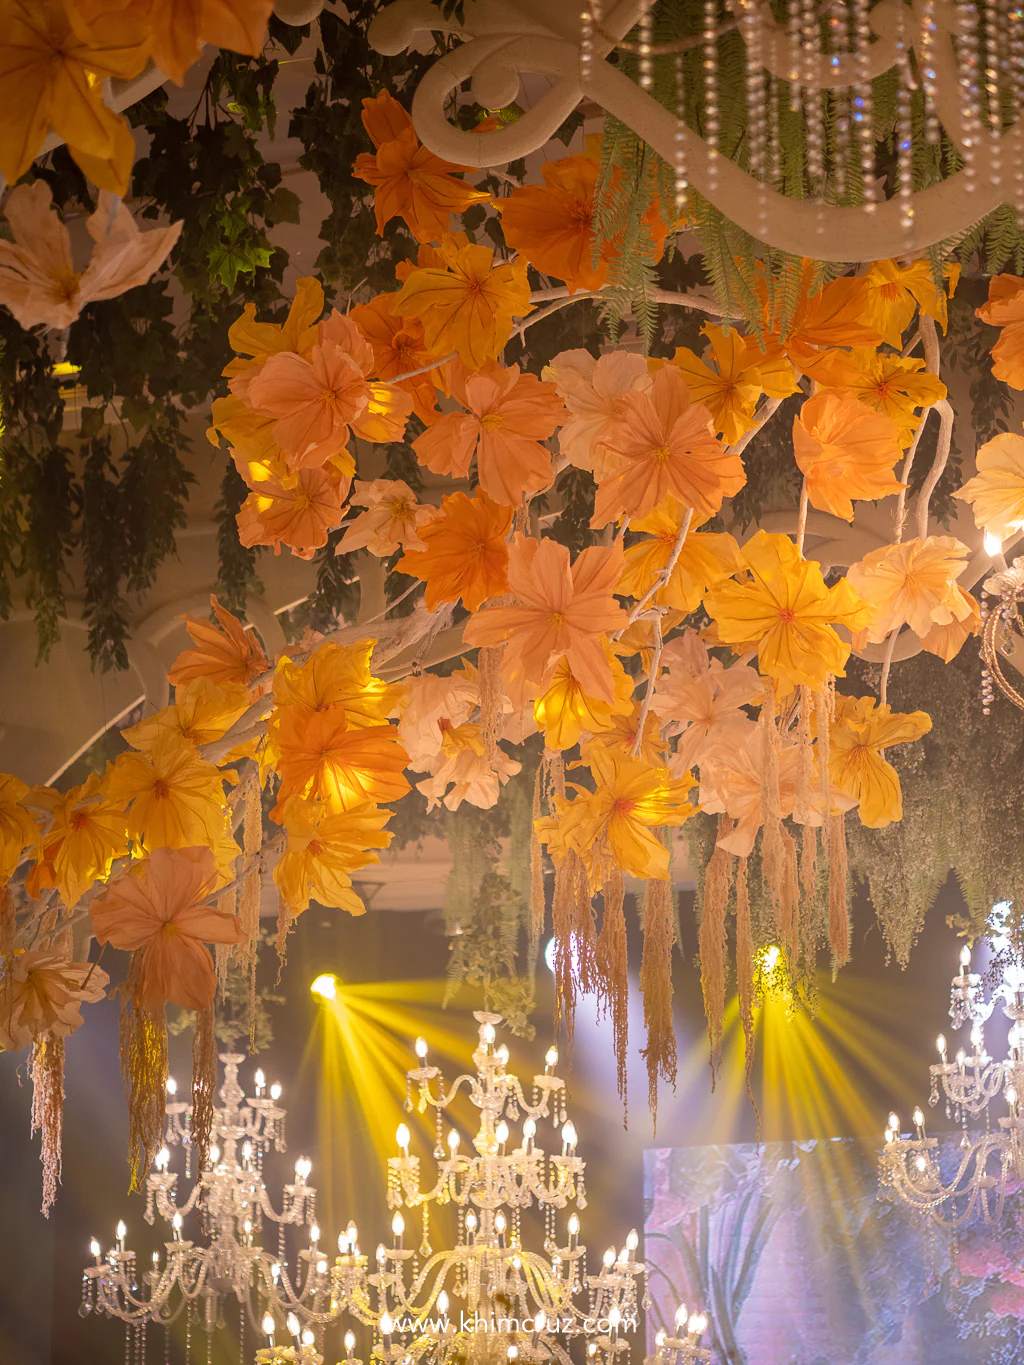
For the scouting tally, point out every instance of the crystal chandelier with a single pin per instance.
(678, 1349)
(1002, 632)
(230, 1201)
(514, 1301)
(988, 1165)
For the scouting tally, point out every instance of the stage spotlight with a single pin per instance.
(325, 986)
(769, 958)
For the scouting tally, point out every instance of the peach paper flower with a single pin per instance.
(225, 653)
(161, 909)
(912, 584)
(997, 490)
(845, 450)
(45, 994)
(593, 390)
(389, 523)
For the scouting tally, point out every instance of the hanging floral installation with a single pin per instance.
(582, 623)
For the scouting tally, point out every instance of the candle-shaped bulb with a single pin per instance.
(350, 1341)
(260, 1079)
(387, 1324)
(156, 1259)
(574, 1225)
(698, 1324)
(940, 1043)
(247, 1226)
(163, 1159)
(918, 1117)
(176, 1222)
(487, 1033)
(314, 1233)
(403, 1137)
(540, 1321)
(502, 1055)
(382, 1255)
(453, 1141)
(342, 1244)
(681, 1316)
(614, 1318)
(1011, 1096)
(894, 1122)
(352, 1232)
(442, 1302)
(659, 1339)
(513, 1352)
(889, 1135)
(171, 1085)
(94, 1247)
(246, 1151)
(501, 1132)
(529, 1131)
(321, 1267)
(398, 1225)
(308, 1336)
(421, 1048)
(499, 1223)
(632, 1240)
(609, 1257)
(293, 1325)
(122, 1231)
(961, 1057)
(965, 957)
(303, 1167)
(993, 545)
(921, 1164)
(268, 1324)
(214, 1154)
(471, 1221)
(569, 1133)
(551, 1056)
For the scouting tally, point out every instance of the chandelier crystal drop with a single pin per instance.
(989, 1165)
(231, 1204)
(493, 1295)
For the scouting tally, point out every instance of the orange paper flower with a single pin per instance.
(409, 181)
(179, 28)
(785, 611)
(230, 654)
(729, 386)
(468, 304)
(509, 414)
(399, 348)
(1005, 309)
(335, 675)
(466, 554)
(593, 390)
(895, 292)
(203, 710)
(177, 798)
(87, 832)
(160, 908)
(324, 848)
(564, 710)
(38, 280)
(551, 225)
(256, 341)
(17, 828)
(324, 758)
(891, 384)
(300, 514)
(665, 448)
(844, 450)
(562, 609)
(704, 560)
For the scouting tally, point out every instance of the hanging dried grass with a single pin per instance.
(538, 907)
(745, 975)
(804, 808)
(656, 987)
(8, 929)
(773, 848)
(789, 907)
(249, 906)
(492, 695)
(838, 908)
(712, 946)
(571, 908)
(285, 920)
(46, 1069)
(143, 1046)
(204, 1083)
(611, 976)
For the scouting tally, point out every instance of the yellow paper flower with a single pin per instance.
(203, 710)
(858, 738)
(729, 386)
(336, 675)
(913, 584)
(87, 832)
(785, 611)
(997, 490)
(324, 847)
(705, 559)
(177, 798)
(17, 828)
(564, 710)
(891, 384)
(895, 292)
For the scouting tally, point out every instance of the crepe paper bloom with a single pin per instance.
(561, 608)
(858, 738)
(947, 638)
(462, 771)
(179, 28)
(466, 554)
(551, 225)
(177, 798)
(53, 62)
(230, 654)
(826, 317)
(86, 832)
(845, 450)
(409, 181)
(728, 384)
(203, 710)
(701, 700)
(1007, 1301)
(250, 435)
(313, 402)
(509, 414)
(731, 785)
(335, 675)
(895, 292)
(160, 909)
(592, 390)
(435, 705)
(391, 521)
(785, 611)
(468, 304)
(664, 447)
(255, 341)
(38, 279)
(620, 734)
(300, 515)
(891, 384)
(705, 559)
(399, 348)
(17, 828)
(996, 493)
(1005, 309)
(632, 799)
(324, 848)
(564, 710)
(326, 759)
(44, 993)
(775, 372)
(913, 584)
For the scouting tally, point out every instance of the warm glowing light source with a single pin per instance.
(993, 545)
(769, 957)
(268, 1324)
(325, 986)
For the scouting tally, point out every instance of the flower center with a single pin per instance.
(787, 616)
(160, 788)
(78, 820)
(314, 848)
(556, 619)
(623, 806)
(661, 454)
(493, 421)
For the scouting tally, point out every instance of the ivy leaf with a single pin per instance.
(228, 260)
(284, 207)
